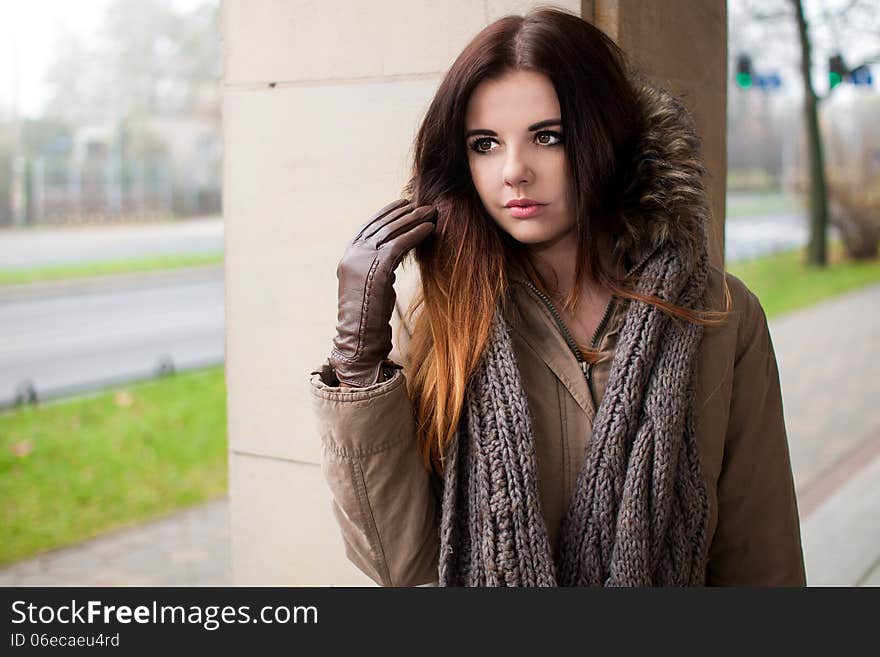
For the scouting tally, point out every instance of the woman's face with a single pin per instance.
(514, 138)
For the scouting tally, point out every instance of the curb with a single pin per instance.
(109, 283)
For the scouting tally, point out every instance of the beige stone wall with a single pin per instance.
(321, 104)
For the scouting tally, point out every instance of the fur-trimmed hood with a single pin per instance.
(665, 201)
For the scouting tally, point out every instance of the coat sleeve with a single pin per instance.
(757, 540)
(383, 498)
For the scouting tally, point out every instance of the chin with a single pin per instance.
(533, 231)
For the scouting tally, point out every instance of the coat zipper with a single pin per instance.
(586, 367)
(566, 334)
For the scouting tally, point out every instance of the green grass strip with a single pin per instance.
(783, 282)
(91, 269)
(72, 470)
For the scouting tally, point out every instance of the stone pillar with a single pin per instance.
(321, 104)
(683, 47)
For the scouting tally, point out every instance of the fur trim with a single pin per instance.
(665, 201)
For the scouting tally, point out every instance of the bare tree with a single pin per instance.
(852, 17)
(148, 58)
(817, 253)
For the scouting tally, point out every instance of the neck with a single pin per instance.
(556, 262)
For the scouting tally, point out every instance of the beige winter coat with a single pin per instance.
(387, 504)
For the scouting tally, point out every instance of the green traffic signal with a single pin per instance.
(744, 71)
(836, 70)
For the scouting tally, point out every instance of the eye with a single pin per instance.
(475, 145)
(551, 134)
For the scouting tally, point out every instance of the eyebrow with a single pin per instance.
(535, 126)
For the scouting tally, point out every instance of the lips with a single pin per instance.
(525, 211)
(521, 202)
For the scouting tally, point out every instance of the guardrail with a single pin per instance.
(29, 393)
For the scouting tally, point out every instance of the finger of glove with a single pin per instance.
(371, 230)
(394, 205)
(398, 246)
(403, 223)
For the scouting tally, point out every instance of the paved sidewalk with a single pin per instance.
(827, 357)
(189, 548)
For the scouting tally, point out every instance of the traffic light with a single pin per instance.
(836, 70)
(744, 71)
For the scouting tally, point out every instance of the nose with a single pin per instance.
(517, 170)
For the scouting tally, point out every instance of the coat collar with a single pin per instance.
(531, 320)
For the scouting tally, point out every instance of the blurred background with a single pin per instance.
(113, 441)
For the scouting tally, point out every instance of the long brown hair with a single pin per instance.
(462, 265)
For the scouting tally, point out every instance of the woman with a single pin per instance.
(584, 399)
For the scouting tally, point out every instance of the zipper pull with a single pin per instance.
(585, 367)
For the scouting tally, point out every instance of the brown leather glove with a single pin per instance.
(366, 292)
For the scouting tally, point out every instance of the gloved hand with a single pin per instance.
(366, 292)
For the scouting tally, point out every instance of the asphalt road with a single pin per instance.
(749, 237)
(62, 345)
(39, 246)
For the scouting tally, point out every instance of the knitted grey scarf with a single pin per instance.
(639, 514)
